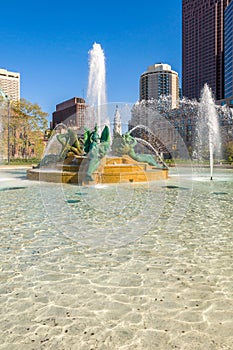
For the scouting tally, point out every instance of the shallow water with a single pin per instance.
(137, 266)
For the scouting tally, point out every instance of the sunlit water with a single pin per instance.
(96, 91)
(65, 285)
(208, 133)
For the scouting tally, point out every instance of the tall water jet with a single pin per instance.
(208, 133)
(96, 92)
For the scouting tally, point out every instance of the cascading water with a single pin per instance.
(146, 142)
(96, 92)
(208, 134)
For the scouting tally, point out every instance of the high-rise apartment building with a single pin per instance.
(159, 79)
(203, 46)
(10, 84)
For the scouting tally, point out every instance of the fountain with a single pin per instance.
(94, 266)
(208, 135)
(96, 92)
(147, 143)
(130, 266)
(92, 159)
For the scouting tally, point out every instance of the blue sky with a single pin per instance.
(48, 43)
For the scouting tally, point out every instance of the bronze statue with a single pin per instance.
(97, 148)
(124, 145)
(70, 143)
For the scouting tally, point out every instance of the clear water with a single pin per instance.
(117, 267)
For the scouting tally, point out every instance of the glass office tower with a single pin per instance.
(203, 46)
(228, 51)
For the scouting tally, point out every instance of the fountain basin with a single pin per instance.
(111, 170)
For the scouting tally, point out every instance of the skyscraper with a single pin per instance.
(203, 46)
(228, 51)
(10, 84)
(159, 79)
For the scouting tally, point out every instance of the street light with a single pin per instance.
(6, 97)
(8, 130)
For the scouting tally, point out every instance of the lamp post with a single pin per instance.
(6, 98)
(8, 130)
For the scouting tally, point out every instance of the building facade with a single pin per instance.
(203, 47)
(159, 79)
(228, 51)
(165, 128)
(71, 113)
(10, 84)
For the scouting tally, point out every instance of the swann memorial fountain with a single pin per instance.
(129, 266)
(94, 160)
(97, 157)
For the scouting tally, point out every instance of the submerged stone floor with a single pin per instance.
(165, 289)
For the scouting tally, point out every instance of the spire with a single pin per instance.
(117, 122)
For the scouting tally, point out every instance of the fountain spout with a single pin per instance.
(96, 92)
(208, 128)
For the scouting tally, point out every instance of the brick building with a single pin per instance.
(71, 113)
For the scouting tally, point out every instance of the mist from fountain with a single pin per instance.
(96, 92)
(208, 133)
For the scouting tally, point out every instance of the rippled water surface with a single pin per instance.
(130, 266)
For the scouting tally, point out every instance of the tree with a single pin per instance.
(31, 115)
(27, 125)
(229, 151)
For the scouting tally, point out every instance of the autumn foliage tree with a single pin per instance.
(229, 151)
(27, 123)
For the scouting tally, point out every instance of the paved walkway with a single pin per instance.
(5, 167)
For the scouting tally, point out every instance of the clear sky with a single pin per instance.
(48, 42)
